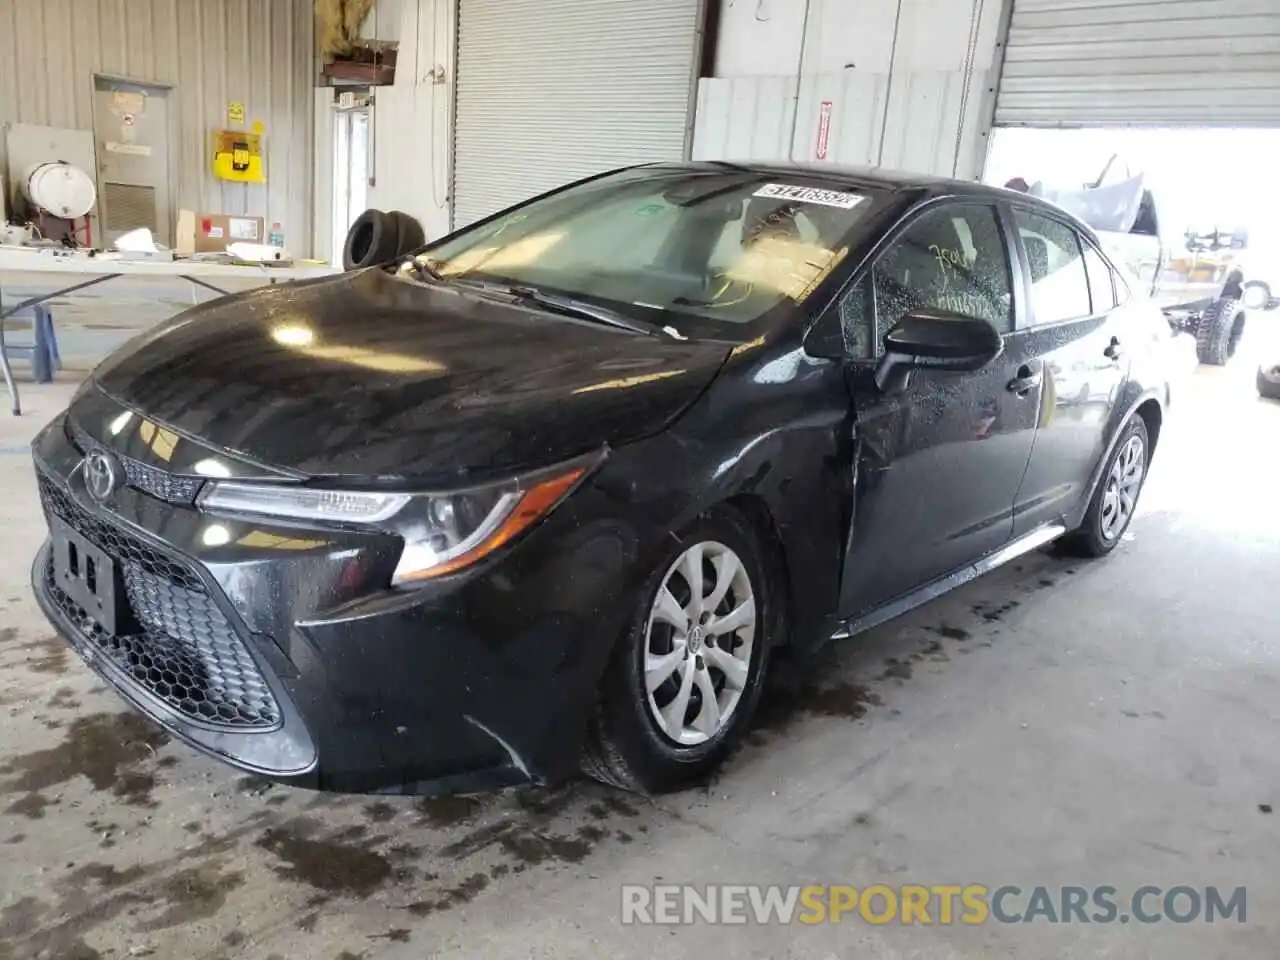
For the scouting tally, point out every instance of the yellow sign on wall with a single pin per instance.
(237, 156)
(235, 114)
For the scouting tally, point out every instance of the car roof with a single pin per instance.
(878, 178)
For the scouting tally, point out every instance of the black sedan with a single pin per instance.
(549, 493)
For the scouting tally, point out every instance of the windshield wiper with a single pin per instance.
(426, 267)
(586, 311)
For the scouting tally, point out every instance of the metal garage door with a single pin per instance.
(1148, 62)
(553, 90)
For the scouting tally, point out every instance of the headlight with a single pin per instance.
(442, 532)
(302, 503)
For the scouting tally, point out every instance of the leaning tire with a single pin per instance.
(1269, 381)
(654, 728)
(409, 232)
(1118, 490)
(372, 239)
(1219, 331)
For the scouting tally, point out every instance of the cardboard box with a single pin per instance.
(211, 232)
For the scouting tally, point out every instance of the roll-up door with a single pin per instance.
(1141, 63)
(549, 91)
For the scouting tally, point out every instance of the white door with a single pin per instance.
(549, 91)
(350, 173)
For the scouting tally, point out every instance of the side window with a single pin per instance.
(1059, 284)
(1101, 286)
(952, 258)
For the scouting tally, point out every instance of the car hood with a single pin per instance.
(371, 375)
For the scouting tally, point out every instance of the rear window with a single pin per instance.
(1059, 284)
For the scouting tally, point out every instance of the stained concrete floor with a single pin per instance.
(1058, 722)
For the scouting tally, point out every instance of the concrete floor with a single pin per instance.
(1058, 722)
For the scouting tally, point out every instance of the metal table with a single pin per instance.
(100, 269)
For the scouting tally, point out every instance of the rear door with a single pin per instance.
(1071, 335)
(938, 464)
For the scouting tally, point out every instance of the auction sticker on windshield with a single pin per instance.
(828, 198)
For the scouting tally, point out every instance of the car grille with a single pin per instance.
(183, 650)
(169, 487)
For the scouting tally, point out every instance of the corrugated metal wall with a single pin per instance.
(552, 90)
(257, 52)
(910, 83)
(1124, 62)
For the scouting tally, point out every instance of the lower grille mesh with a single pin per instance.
(182, 649)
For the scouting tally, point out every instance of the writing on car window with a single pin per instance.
(952, 258)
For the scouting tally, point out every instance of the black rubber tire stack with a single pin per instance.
(377, 237)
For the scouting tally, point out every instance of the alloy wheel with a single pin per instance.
(1124, 481)
(698, 643)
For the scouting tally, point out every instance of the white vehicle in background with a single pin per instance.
(1197, 277)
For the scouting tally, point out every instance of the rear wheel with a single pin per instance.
(1269, 381)
(1219, 332)
(1114, 502)
(685, 678)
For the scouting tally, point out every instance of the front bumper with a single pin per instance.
(280, 650)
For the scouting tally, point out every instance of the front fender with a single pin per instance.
(773, 430)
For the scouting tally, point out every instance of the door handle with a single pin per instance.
(1113, 350)
(1026, 381)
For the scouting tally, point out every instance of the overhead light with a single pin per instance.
(210, 467)
(215, 535)
(120, 422)
(293, 335)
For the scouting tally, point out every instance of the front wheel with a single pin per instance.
(685, 677)
(1116, 499)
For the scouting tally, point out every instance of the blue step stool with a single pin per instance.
(42, 351)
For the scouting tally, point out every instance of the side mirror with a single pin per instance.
(936, 340)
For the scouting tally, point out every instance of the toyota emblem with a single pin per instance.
(102, 475)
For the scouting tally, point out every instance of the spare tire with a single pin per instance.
(1269, 381)
(1219, 331)
(409, 232)
(372, 239)
(1256, 295)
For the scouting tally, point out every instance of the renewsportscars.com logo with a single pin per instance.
(917, 904)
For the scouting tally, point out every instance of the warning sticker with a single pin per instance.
(828, 198)
(243, 228)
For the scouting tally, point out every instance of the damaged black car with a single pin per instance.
(548, 494)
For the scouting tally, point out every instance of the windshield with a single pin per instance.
(709, 252)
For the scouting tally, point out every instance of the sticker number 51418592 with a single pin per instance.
(828, 198)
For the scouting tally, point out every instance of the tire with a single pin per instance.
(627, 744)
(372, 239)
(1269, 381)
(1257, 294)
(1219, 331)
(1097, 535)
(409, 232)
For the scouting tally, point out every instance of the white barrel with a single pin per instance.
(59, 188)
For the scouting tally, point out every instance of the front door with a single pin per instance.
(1074, 332)
(937, 466)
